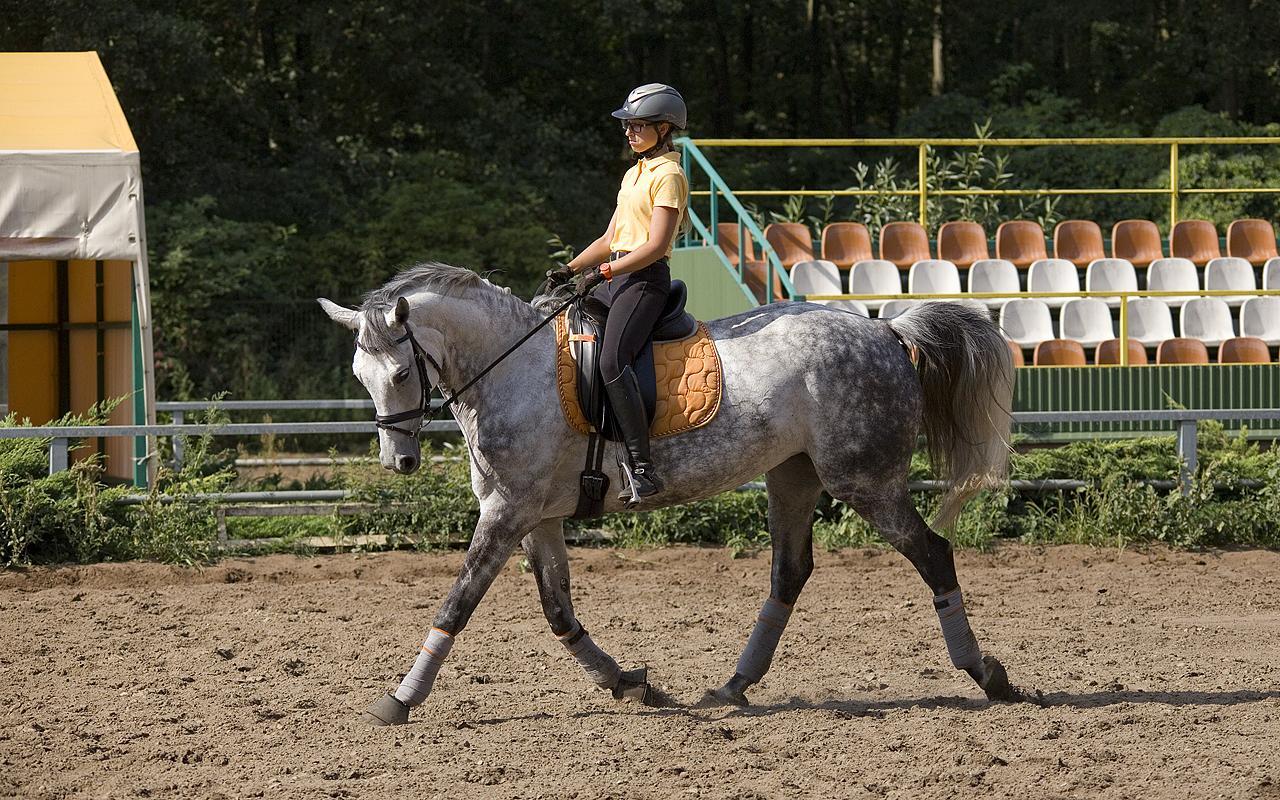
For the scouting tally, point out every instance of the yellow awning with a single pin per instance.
(59, 101)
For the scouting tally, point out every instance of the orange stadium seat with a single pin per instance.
(728, 232)
(1078, 241)
(1059, 353)
(846, 243)
(791, 241)
(1254, 240)
(1137, 241)
(962, 243)
(754, 274)
(1195, 240)
(1015, 354)
(1108, 352)
(904, 243)
(1244, 350)
(1020, 241)
(1182, 351)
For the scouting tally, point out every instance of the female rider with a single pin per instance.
(628, 266)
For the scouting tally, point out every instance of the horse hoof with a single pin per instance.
(386, 710)
(634, 685)
(996, 681)
(724, 696)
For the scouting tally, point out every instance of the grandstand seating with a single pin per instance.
(874, 276)
(933, 276)
(1194, 239)
(1087, 321)
(846, 243)
(1260, 318)
(791, 241)
(1053, 275)
(962, 243)
(1150, 321)
(904, 243)
(1020, 241)
(1059, 353)
(1207, 319)
(1026, 321)
(1229, 273)
(728, 235)
(991, 276)
(1108, 353)
(754, 273)
(1107, 274)
(852, 306)
(816, 277)
(1015, 354)
(1078, 241)
(1244, 350)
(893, 308)
(1254, 240)
(1271, 274)
(1172, 275)
(1182, 351)
(1137, 241)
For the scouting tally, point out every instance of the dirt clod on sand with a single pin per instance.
(1151, 674)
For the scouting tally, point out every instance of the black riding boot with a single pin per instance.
(628, 410)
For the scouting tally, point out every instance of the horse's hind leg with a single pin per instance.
(794, 490)
(545, 549)
(900, 524)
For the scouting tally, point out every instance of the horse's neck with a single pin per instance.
(476, 332)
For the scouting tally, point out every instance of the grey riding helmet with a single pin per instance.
(657, 102)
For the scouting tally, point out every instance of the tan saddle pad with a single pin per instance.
(688, 382)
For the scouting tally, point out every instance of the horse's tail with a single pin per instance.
(966, 373)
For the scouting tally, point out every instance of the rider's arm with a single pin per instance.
(597, 251)
(662, 226)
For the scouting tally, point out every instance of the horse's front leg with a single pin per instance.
(496, 536)
(549, 559)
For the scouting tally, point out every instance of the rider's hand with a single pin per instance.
(556, 277)
(588, 280)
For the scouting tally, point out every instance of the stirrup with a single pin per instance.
(640, 484)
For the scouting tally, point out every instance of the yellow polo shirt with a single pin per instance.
(656, 181)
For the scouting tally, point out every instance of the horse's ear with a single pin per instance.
(402, 311)
(347, 317)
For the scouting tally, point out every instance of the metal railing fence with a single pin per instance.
(922, 146)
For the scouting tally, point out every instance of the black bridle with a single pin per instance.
(388, 422)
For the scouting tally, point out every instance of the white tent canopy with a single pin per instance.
(70, 177)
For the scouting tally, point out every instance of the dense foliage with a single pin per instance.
(296, 149)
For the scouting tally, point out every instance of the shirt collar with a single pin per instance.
(651, 163)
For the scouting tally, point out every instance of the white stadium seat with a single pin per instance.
(1207, 319)
(933, 276)
(852, 306)
(1150, 321)
(893, 308)
(992, 275)
(1053, 275)
(1229, 274)
(816, 277)
(1260, 317)
(1173, 275)
(1026, 321)
(1271, 274)
(875, 276)
(1110, 274)
(1087, 321)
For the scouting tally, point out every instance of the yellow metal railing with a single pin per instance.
(1123, 333)
(1173, 190)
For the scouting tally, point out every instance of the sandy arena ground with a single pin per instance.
(244, 680)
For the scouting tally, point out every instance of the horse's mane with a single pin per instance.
(433, 276)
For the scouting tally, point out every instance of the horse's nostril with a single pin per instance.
(406, 463)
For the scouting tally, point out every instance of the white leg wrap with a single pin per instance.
(599, 665)
(962, 645)
(758, 654)
(417, 684)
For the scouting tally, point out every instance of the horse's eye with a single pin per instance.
(400, 377)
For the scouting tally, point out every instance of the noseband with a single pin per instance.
(421, 358)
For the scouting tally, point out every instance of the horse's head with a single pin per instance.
(396, 366)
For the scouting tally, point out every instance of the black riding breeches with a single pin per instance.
(635, 302)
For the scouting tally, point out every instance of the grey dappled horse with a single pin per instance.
(813, 398)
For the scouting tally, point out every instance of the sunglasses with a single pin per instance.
(635, 125)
